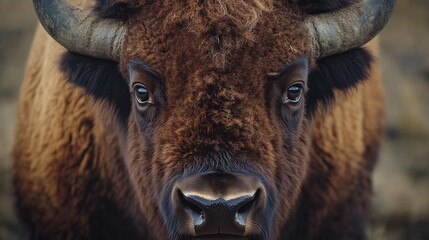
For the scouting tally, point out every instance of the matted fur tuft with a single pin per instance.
(224, 24)
(221, 15)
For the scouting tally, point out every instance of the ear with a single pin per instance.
(115, 9)
(321, 6)
(101, 79)
(339, 72)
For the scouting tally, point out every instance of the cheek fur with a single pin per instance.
(141, 162)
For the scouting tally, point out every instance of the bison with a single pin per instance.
(208, 119)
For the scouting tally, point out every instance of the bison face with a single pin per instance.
(217, 140)
(212, 102)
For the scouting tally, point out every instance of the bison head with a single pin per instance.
(215, 99)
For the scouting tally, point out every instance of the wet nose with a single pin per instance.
(219, 203)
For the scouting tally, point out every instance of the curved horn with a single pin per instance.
(348, 28)
(80, 31)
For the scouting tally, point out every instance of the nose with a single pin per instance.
(219, 203)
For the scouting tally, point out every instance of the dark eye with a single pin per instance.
(141, 94)
(294, 93)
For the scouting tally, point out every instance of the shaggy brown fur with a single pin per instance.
(90, 165)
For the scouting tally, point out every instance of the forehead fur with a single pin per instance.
(224, 25)
(219, 16)
(216, 31)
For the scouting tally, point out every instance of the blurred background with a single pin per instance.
(401, 179)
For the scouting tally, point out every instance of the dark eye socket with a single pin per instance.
(141, 94)
(294, 93)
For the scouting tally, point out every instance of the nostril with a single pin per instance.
(246, 208)
(192, 206)
(219, 204)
